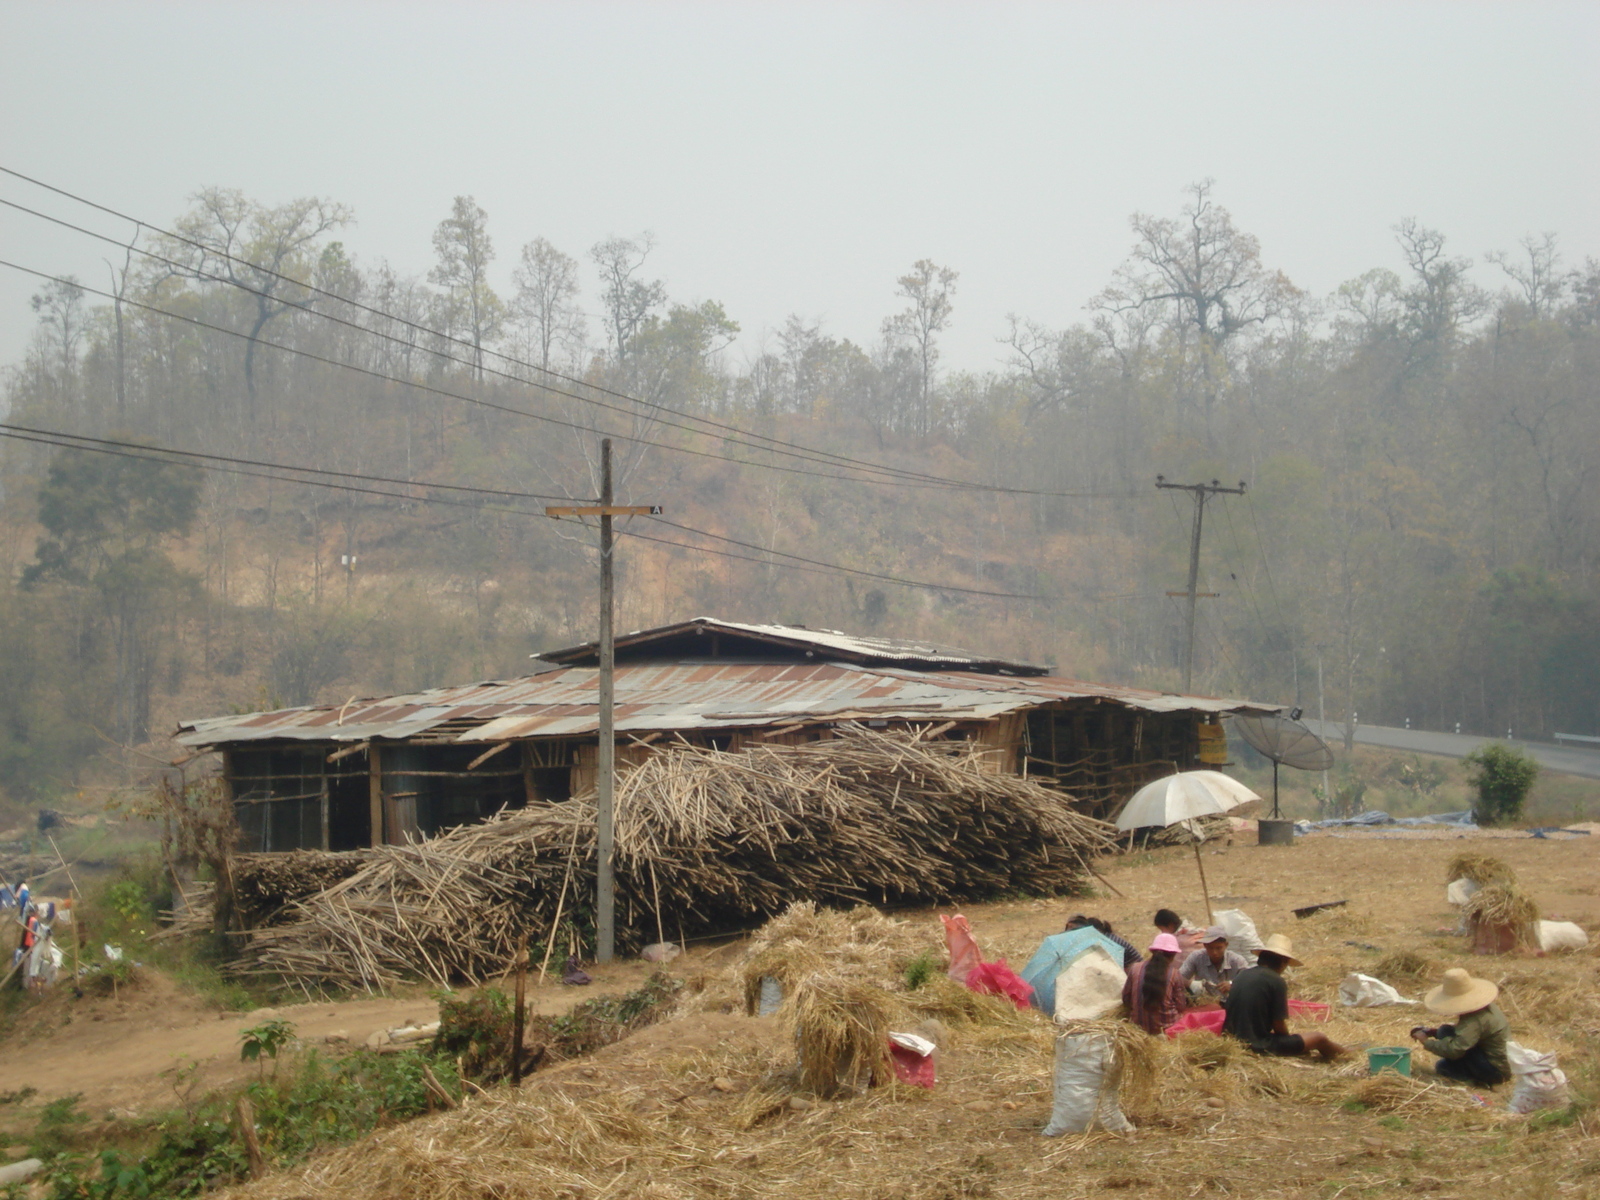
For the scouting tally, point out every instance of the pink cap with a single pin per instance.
(1165, 941)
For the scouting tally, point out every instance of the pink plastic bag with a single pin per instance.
(962, 945)
(997, 979)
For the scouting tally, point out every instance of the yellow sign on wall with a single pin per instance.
(1213, 745)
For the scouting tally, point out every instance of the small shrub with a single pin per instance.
(921, 969)
(1502, 776)
(475, 1030)
(266, 1040)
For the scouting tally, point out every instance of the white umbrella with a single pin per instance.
(1183, 797)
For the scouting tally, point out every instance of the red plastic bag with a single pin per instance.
(911, 1067)
(997, 979)
(1212, 1018)
(962, 945)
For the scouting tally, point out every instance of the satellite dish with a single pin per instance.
(1286, 741)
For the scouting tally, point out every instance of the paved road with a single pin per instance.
(1566, 759)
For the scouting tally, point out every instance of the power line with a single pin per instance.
(224, 465)
(773, 445)
(369, 373)
(252, 462)
(815, 562)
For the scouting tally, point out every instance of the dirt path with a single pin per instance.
(119, 1054)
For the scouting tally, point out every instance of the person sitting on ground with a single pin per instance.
(1130, 952)
(1155, 993)
(1258, 1008)
(1473, 1049)
(1187, 935)
(1211, 970)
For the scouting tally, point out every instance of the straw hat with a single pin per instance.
(1165, 941)
(1461, 993)
(1282, 947)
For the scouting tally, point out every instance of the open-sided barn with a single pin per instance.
(382, 770)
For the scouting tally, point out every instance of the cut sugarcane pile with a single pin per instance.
(706, 841)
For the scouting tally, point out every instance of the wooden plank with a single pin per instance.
(487, 755)
(375, 794)
(603, 510)
(348, 751)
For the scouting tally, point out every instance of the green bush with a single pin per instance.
(921, 969)
(1502, 776)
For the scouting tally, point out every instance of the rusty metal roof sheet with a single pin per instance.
(681, 696)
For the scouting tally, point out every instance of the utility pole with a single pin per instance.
(605, 906)
(1201, 493)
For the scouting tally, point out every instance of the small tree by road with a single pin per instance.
(1502, 776)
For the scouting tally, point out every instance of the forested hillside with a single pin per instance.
(1422, 460)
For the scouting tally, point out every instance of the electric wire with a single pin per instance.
(276, 466)
(773, 445)
(429, 388)
(225, 465)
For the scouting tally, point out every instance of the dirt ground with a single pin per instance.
(687, 1108)
(119, 1054)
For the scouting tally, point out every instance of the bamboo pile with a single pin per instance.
(706, 841)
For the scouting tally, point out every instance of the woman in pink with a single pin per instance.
(1155, 993)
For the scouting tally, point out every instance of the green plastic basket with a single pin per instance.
(1389, 1058)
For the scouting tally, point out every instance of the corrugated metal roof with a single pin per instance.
(687, 696)
(828, 643)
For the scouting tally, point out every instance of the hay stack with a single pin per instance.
(841, 1028)
(706, 842)
(1479, 868)
(1501, 916)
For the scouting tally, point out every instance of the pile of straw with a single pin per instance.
(705, 842)
(841, 1028)
(1479, 868)
(1504, 905)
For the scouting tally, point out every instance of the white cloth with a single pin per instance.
(1365, 991)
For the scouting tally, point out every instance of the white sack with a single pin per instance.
(771, 996)
(1460, 891)
(1090, 987)
(1242, 935)
(1540, 1083)
(1561, 935)
(1082, 1098)
(1363, 991)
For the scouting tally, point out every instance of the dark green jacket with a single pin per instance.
(1487, 1027)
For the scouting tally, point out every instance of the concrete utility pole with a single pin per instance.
(1201, 493)
(605, 906)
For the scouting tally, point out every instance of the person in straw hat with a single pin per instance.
(1258, 1007)
(1473, 1049)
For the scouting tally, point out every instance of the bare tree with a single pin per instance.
(1203, 274)
(1441, 297)
(62, 321)
(547, 300)
(1538, 273)
(465, 250)
(628, 300)
(268, 253)
(928, 287)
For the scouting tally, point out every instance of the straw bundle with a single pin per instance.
(1504, 905)
(1406, 966)
(1480, 868)
(705, 841)
(842, 1030)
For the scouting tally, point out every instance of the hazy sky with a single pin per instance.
(797, 157)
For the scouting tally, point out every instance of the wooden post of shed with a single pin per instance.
(375, 793)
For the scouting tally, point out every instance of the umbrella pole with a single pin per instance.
(1204, 890)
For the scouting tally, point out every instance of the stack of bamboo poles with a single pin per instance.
(706, 841)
